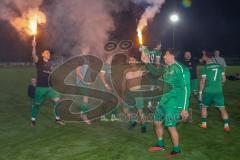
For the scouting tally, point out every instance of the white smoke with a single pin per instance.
(75, 24)
(10, 9)
(150, 12)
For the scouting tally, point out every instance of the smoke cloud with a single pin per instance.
(76, 24)
(10, 9)
(150, 12)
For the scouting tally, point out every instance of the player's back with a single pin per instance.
(213, 73)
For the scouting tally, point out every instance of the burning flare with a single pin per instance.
(148, 15)
(140, 36)
(33, 25)
(29, 21)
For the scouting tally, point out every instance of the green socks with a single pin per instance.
(160, 142)
(226, 121)
(143, 125)
(204, 121)
(176, 149)
(84, 107)
(35, 109)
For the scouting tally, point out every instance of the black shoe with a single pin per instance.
(132, 125)
(172, 154)
(33, 123)
(143, 129)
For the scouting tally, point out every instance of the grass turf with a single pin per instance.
(108, 140)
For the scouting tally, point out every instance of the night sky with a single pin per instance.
(209, 24)
(205, 25)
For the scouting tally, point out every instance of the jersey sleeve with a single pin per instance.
(146, 51)
(183, 95)
(154, 70)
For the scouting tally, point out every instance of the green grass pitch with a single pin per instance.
(105, 140)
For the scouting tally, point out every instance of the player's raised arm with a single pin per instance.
(144, 54)
(34, 53)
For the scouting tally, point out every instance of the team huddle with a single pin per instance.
(171, 107)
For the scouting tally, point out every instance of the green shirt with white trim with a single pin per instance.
(178, 76)
(213, 77)
(153, 55)
(155, 58)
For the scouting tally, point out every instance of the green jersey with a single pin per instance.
(154, 55)
(213, 73)
(178, 76)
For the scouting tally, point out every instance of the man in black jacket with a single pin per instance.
(31, 89)
(192, 63)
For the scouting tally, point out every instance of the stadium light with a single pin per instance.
(174, 18)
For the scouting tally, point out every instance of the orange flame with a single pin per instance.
(140, 36)
(33, 25)
(29, 21)
(141, 26)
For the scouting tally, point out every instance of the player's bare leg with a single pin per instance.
(159, 132)
(56, 112)
(225, 118)
(174, 135)
(204, 117)
(142, 121)
(128, 115)
(175, 140)
(82, 115)
(159, 129)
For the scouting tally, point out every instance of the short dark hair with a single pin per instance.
(209, 54)
(171, 51)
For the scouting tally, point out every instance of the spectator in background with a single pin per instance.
(31, 89)
(191, 63)
(219, 60)
(233, 77)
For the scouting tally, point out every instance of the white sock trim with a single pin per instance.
(58, 118)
